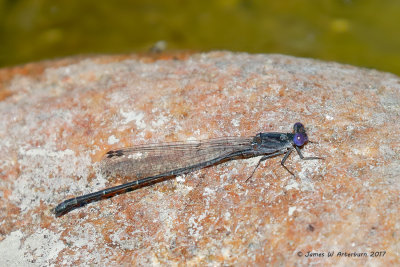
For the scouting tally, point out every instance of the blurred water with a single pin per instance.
(363, 33)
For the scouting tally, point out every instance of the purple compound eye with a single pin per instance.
(300, 139)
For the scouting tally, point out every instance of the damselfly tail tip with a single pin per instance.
(56, 211)
(53, 211)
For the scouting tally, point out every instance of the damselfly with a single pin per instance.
(146, 164)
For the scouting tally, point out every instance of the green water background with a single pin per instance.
(359, 32)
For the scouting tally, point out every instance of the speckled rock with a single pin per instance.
(59, 118)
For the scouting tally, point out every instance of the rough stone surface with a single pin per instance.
(59, 118)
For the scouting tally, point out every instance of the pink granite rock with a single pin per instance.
(59, 118)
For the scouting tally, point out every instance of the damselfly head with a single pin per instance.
(300, 136)
(298, 127)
